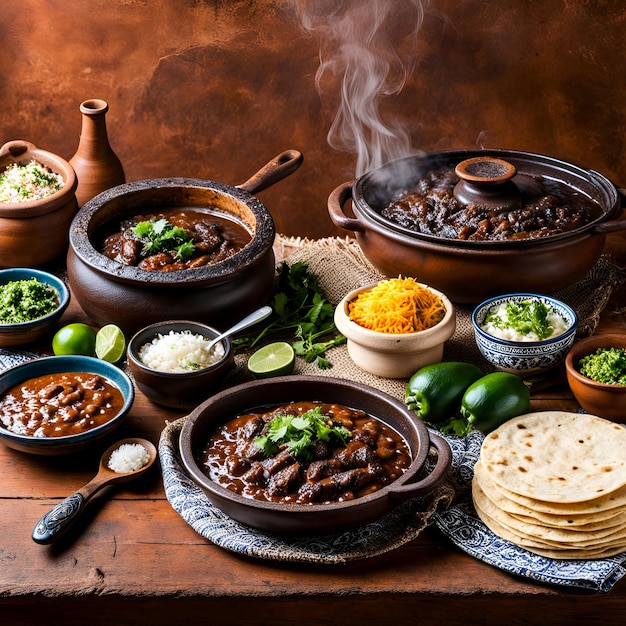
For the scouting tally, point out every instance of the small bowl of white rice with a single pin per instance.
(524, 333)
(173, 365)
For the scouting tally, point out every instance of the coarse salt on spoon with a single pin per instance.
(62, 516)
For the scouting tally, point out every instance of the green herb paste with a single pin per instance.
(605, 365)
(25, 301)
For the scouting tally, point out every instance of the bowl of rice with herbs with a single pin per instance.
(173, 364)
(31, 303)
(37, 205)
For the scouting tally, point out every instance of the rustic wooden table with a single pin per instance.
(133, 560)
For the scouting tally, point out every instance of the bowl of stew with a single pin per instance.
(57, 405)
(31, 303)
(309, 454)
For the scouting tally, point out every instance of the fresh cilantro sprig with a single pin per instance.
(526, 316)
(299, 307)
(299, 432)
(162, 236)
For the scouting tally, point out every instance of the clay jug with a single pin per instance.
(97, 166)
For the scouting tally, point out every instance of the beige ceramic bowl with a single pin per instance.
(394, 355)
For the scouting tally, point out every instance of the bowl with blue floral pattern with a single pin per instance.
(524, 333)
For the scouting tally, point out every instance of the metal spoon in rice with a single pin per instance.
(250, 320)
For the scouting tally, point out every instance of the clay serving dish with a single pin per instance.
(472, 271)
(394, 355)
(34, 233)
(524, 358)
(317, 518)
(110, 292)
(55, 446)
(177, 389)
(29, 332)
(608, 401)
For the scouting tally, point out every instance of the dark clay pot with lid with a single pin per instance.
(472, 271)
(132, 298)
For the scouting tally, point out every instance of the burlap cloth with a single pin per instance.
(341, 267)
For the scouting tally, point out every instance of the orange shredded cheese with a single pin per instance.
(398, 305)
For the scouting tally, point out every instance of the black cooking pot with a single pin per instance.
(471, 271)
(216, 294)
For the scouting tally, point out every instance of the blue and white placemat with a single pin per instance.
(457, 521)
(462, 526)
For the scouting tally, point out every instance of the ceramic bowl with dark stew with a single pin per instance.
(309, 454)
(60, 404)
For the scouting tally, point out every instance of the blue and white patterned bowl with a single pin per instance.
(524, 358)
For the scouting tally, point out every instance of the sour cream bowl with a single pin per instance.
(510, 352)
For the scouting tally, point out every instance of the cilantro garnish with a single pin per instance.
(299, 432)
(526, 316)
(162, 236)
(299, 307)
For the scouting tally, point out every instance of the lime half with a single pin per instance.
(110, 343)
(274, 359)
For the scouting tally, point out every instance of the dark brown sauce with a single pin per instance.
(215, 238)
(375, 456)
(57, 405)
(550, 208)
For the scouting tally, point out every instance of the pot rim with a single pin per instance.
(246, 390)
(85, 223)
(19, 151)
(610, 205)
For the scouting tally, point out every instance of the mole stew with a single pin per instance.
(548, 208)
(175, 240)
(367, 456)
(57, 405)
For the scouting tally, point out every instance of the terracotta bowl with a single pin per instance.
(317, 518)
(111, 292)
(394, 355)
(35, 233)
(55, 446)
(28, 332)
(524, 358)
(608, 401)
(177, 390)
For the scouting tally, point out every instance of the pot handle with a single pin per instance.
(16, 148)
(436, 476)
(611, 227)
(281, 166)
(336, 200)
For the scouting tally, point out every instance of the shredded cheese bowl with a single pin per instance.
(387, 352)
(171, 366)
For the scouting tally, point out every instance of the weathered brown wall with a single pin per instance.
(215, 88)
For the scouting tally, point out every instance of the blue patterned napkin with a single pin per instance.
(465, 529)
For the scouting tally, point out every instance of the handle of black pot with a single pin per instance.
(336, 202)
(401, 493)
(281, 166)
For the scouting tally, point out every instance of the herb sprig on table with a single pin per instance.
(299, 307)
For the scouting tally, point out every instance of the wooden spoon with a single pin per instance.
(62, 516)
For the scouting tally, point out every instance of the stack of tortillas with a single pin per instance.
(555, 483)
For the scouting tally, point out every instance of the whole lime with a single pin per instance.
(74, 338)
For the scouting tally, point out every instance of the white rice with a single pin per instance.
(32, 181)
(129, 457)
(180, 352)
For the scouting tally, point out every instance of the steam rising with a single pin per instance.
(370, 48)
